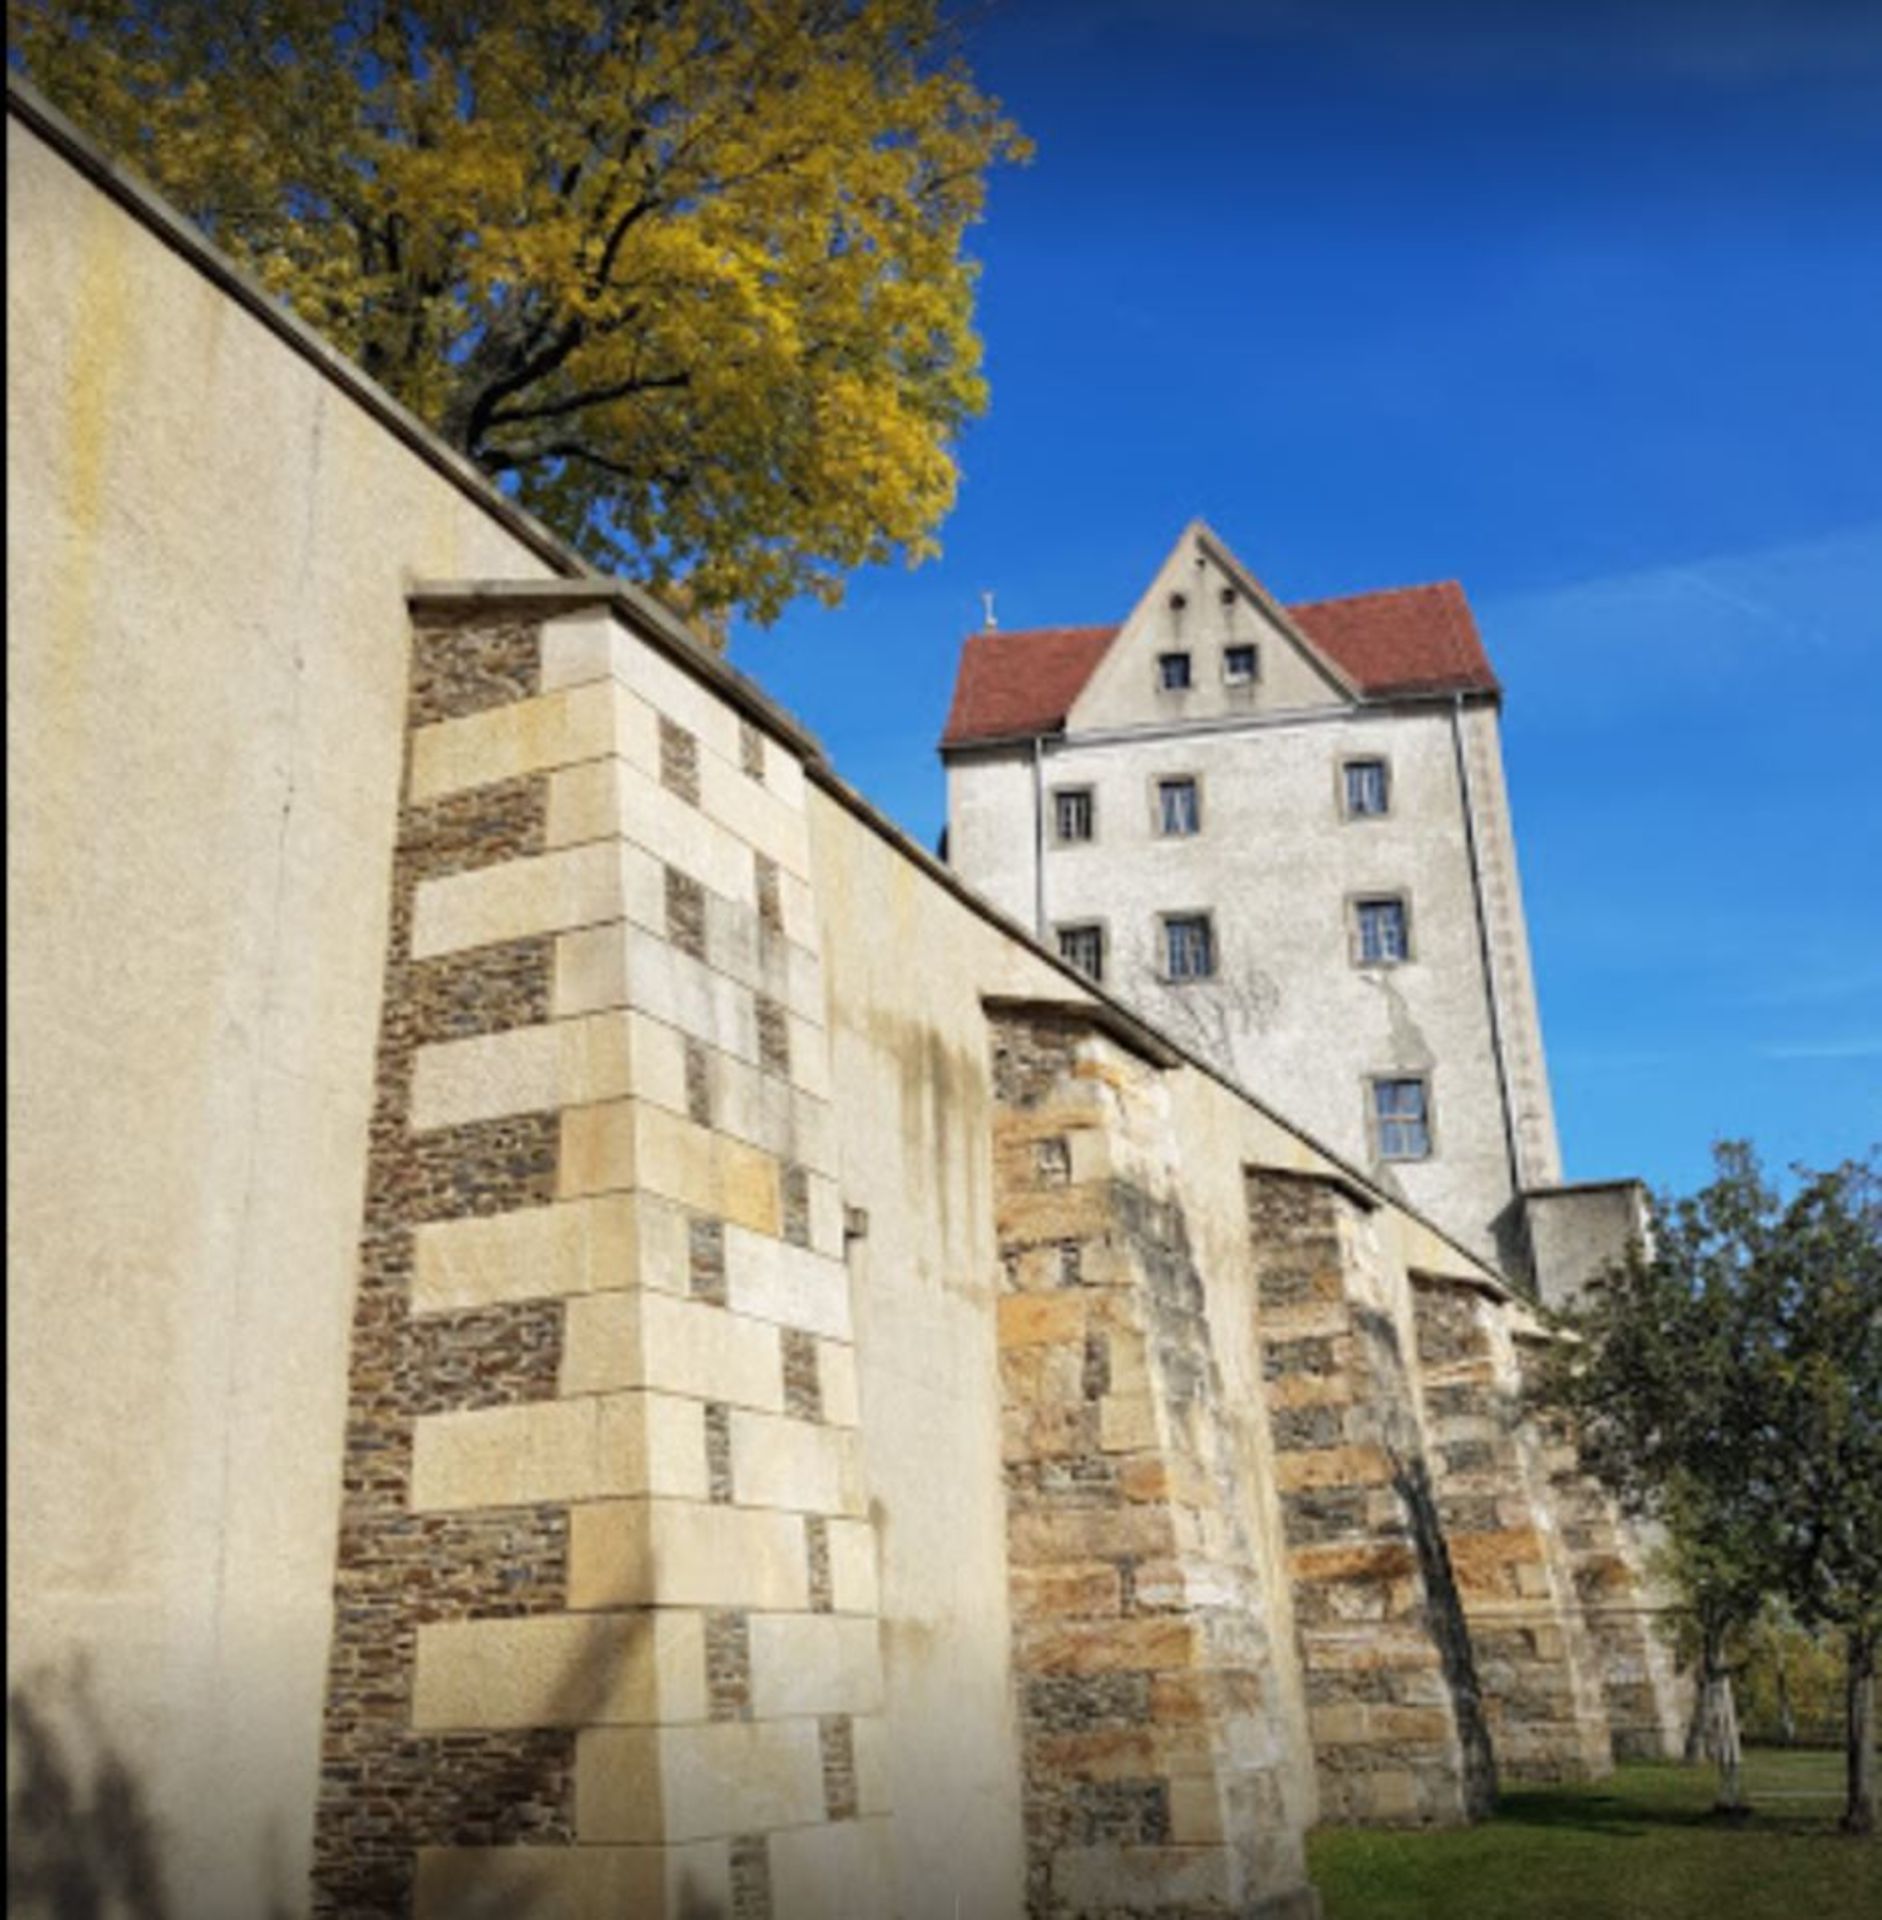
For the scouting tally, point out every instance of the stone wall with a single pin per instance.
(1534, 1656)
(605, 1601)
(1645, 1698)
(1153, 1749)
(1396, 1714)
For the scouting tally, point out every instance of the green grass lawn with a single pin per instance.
(1639, 1846)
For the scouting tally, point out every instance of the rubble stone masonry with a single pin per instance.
(1152, 1745)
(1534, 1655)
(605, 1629)
(1392, 1692)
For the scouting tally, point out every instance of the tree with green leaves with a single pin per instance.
(1727, 1382)
(1664, 1375)
(1823, 1279)
(688, 276)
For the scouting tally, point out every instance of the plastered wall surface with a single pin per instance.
(1278, 867)
(207, 551)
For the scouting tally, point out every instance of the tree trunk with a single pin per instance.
(1726, 1749)
(1697, 1743)
(1721, 1723)
(1859, 1735)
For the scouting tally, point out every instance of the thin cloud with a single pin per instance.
(1857, 1047)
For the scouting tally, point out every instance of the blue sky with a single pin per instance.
(1582, 308)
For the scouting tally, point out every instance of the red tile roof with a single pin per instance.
(1404, 640)
(1022, 682)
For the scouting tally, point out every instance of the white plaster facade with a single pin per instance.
(1279, 866)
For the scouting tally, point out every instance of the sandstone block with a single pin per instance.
(1036, 1319)
(526, 736)
(853, 1566)
(772, 1280)
(1081, 1591)
(818, 1873)
(814, 1663)
(587, 1449)
(781, 1462)
(614, 1341)
(524, 1069)
(561, 1670)
(543, 894)
(693, 1782)
(687, 1553)
(574, 1883)
(573, 1248)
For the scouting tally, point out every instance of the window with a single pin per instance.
(1401, 1112)
(1188, 947)
(1240, 665)
(1179, 809)
(1074, 814)
(1380, 934)
(1173, 672)
(1367, 790)
(1083, 948)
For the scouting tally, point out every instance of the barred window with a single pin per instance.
(1074, 817)
(1083, 948)
(1401, 1110)
(1188, 947)
(1367, 790)
(1179, 809)
(1173, 672)
(1382, 939)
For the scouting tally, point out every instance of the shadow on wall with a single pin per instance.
(1444, 1606)
(82, 1843)
(467, 1877)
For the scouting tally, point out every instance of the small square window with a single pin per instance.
(1401, 1112)
(1188, 947)
(1173, 672)
(1241, 665)
(1367, 789)
(1074, 816)
(1083, 948)
(1381, 937)
(1179, 808)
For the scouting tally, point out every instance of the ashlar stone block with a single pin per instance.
(561, 1670)
(653, 1882)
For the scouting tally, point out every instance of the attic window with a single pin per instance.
(1240, 665)
(1178, 601)
(1228, 596)
(1173, 672)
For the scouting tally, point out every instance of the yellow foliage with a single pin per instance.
(687, 275)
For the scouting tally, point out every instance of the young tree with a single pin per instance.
(1664, 1375)
(1823, 1274)
(687, 275)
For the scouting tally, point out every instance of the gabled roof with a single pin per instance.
(1403, 640)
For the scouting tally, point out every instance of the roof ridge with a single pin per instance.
(1379, 593)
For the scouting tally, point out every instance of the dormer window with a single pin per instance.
(1173, 672)
(1241, 666)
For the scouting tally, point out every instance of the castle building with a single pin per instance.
(1283, 833)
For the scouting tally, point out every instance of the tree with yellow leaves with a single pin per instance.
(687, 276)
